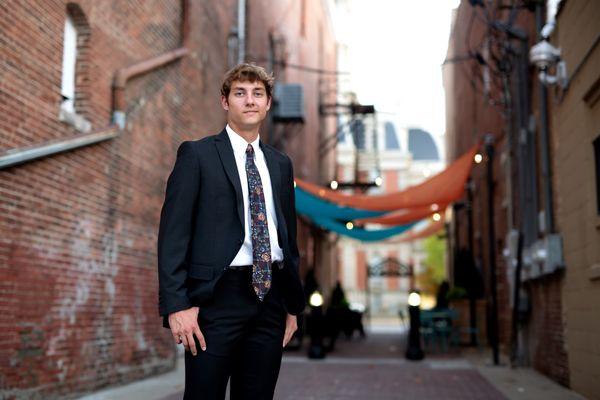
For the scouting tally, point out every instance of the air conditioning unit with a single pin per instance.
(288, 103)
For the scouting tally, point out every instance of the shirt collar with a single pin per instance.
(240, 144)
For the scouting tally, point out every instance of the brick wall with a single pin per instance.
(78, 288)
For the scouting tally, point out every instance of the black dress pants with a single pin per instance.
(244, 339)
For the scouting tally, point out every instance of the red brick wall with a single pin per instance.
(546, 329)
(78, 288)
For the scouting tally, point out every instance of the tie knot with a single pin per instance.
(250, 150)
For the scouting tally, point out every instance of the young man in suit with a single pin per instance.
(229, 287)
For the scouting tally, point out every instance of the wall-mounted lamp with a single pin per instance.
(545, 56)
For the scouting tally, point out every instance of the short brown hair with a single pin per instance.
(247, 72)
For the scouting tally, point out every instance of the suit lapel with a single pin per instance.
(274, 171)
(226, 154)
(275, 174)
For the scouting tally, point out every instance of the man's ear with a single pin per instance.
(269, 101)
(224, 103)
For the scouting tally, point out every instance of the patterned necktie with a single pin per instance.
(261, 246)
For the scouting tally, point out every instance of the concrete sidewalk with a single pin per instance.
(375, 368)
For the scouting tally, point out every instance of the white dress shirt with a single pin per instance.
(239, 144)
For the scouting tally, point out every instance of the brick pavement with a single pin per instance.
(375, 368)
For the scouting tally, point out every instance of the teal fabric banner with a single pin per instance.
(333, 218)
(360, 233)
(309, 205)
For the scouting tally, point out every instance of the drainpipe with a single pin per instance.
(241, 31)
(489, 147)
(544, 139)
(123, 75)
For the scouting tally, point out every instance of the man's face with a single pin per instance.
(246, 105)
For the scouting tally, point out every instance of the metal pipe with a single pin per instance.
(241, 31)
(24, 154)
(489, 145)
(544, 139)
(125, 74)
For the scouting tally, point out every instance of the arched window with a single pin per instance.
(67, 87)
(73, 88)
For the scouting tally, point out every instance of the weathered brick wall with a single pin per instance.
(77, 251)
(78, 288)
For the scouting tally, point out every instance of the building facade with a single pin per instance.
(537, 185)
(94, 101)
(401, 158)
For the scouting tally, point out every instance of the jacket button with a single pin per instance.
(240, 241)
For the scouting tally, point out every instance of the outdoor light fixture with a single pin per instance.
(478, 158)
(349, 225)
(316, 299)
(544, 56)
(316, 325)
(379, 181)
(414, 351)
(436, 217)
(333, 185)
(414, 299)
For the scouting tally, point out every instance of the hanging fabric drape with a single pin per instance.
(360, 233)
(307, 204)
(433, 228)
(334, 218)
(443, 188)
(404, 216)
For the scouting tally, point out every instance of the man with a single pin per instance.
(229, 288)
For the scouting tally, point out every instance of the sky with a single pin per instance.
(395, 50)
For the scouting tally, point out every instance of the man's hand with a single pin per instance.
(184, 325)
(291, 325)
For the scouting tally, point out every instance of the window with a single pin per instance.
(67, 89)
(74, 88)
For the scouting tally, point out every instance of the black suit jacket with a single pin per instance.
(202, 223)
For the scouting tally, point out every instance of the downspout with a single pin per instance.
(123, 75)
(241, 31)
(544, 139)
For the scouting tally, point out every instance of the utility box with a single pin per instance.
(288, 103)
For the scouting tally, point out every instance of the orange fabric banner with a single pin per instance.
(404, 216)
(433, 228)
(443, 188)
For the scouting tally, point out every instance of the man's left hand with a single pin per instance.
(291, 325)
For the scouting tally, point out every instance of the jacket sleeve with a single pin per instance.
(175, 230)
(292, 220)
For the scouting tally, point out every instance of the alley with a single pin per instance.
(376, 369)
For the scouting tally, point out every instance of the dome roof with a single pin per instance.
(422, 146)
(391, 137)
